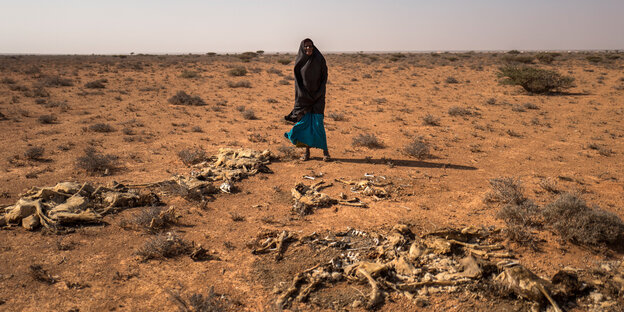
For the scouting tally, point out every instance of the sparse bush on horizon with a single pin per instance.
(535, 80)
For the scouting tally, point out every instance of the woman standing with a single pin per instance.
(309, 110)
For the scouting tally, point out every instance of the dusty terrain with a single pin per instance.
(573, 140)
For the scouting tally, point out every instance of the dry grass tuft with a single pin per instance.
(198, 302)
(34, 153)
(96, 84)
(182, 98)
(151, 219)
(506, 191)
(367, 140)
(239, 84)
(192, 156)
(95, 162)
(163, 246)
(101, 128)
(430, 120)
(287, 152)
(418, 148)
(48, 119)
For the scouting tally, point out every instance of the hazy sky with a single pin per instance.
(193, 26)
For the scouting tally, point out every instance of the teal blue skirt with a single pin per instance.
(309, 132)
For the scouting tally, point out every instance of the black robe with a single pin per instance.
(310, 84)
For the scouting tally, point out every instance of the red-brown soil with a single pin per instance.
(384, 95)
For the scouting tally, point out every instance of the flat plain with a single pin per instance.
(475, 129)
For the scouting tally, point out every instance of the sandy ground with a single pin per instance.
(384, 95)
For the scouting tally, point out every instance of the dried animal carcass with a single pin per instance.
(308, 198)
(71, 203)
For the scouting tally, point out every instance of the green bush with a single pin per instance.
(535, 80)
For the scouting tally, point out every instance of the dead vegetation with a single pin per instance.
(95, 162)
(152, 219)
(418, 148)
(569, 216)
(163, 246)
(192, 156)
(182, 98)
(367, 140)
(210, 302)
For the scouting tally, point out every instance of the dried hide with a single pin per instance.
(71, 203)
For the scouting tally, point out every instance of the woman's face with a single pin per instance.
(308, 47)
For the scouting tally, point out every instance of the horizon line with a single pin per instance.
(326, 52)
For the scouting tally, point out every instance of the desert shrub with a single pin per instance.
(48, 119)
(524, 59)
(576, 222)
(367, 140)
(197, 129)
(249, 114)
(151, 219)
(513, 52)
(95, 162)
(7, 80)
(594, 58)
(96, 84)
(379, 100)
(459, 111)
(506, 191)
(18, 87)
(189, 74)
(337, 116)
(33, 70)
(182, 98)
(522, 236)
(34, 153)
(451, 80)
(163, 246)
(198, 302)
(57, 81)
(284, 61)
(287, 152)
(547, 57)
(284, 82)
(602, 150)
(525, 213)
(38, 91)
(276, 71)
(192, 156)
(102, 128)
(529, 105)
(271, 100)
(247, 56)
(239, 84)
(238, 71)
(430, 120)
(367, 76)
(491, 101)
(518, 108)
(535, 80)
(418, 148)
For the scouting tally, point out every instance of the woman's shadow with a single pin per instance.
(402, 163)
